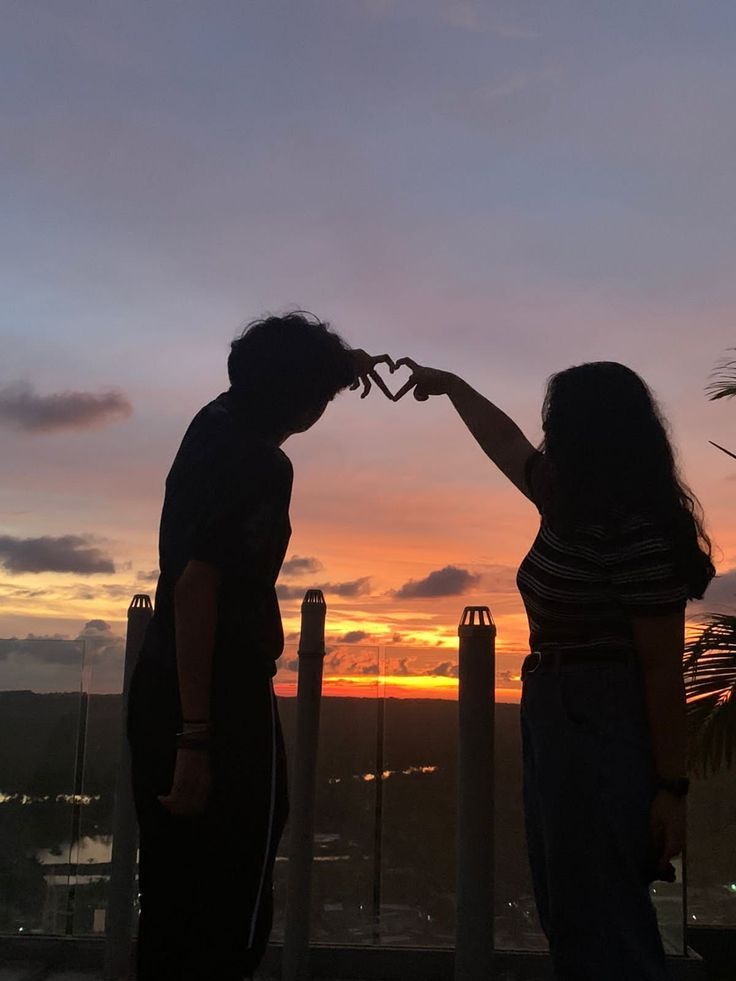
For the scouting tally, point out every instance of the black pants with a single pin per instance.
(588, 787)
(206, 882)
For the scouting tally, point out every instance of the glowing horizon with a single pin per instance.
(392, 687)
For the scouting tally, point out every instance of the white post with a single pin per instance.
(475, 839)
(295, 966)
(119, 917)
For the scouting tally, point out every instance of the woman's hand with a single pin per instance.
(192, 783)
(667, 822)
(425, 381)
(365, 371)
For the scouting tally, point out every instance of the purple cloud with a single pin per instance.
(355, 587)
(449, 581)
(22, 408)
(299, 565)
(69, 553)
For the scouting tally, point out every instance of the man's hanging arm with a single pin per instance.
(195, 610)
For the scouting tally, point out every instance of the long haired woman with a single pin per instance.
(620, 549)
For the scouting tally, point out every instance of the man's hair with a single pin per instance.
(285, 367)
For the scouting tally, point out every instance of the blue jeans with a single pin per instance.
(588, 787)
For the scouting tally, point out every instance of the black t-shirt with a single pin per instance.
(581, 588)
(227, 504)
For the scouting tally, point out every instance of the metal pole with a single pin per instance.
(378, 817)
(71, 899)
(475, 839)
(119, 918)
(295, 965)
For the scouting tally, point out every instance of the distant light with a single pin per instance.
(732, 887)
(694, 916)
(20, 929)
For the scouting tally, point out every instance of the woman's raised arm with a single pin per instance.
(496, 433)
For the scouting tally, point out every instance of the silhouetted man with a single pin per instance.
(208, 758)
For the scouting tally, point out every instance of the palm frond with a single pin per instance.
(710, 683)
(722, 449)
(723, 380)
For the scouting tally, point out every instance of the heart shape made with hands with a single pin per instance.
(399, 377)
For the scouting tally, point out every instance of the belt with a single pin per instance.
(554, 660)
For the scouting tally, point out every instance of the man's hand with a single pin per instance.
(667, 820)
(192, 783)
(424, 381)
(365, 371)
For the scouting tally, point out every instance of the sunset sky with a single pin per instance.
(500, 189)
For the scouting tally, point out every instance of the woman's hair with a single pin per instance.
(609, 454)
(284, 368)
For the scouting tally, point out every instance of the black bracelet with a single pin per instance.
(190, 740)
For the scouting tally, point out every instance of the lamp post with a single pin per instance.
(304, 769)
(475, 796)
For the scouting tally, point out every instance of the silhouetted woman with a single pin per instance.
(620, 549)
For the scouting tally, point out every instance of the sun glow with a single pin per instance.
(390, 686)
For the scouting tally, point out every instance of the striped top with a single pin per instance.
(582, 589)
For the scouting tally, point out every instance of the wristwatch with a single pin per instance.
(678, 787)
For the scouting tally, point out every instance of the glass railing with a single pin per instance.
(419, 740)
(43, 712)
(384, 851)
(347, 817)
(92, 844)
(711, 858)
